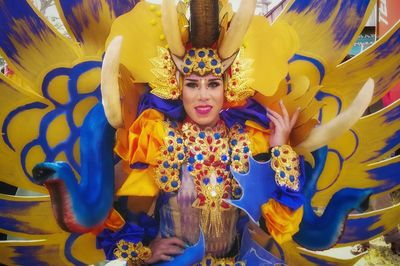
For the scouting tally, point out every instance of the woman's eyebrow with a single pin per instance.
(193, 80)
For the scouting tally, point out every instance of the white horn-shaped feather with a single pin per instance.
(109, 83)
(237, 30)
(322, 135)
(171, 29)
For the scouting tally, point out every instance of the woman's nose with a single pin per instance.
(203, 92)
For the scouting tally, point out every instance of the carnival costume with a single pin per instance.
(50, 111)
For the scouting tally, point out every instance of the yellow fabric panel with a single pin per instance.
(282, 222)
(145, 137)
(318, 36)
(258, 137)
(142, 32)
(269, 68)
(346, 80)
(140, 182)
(84, 249)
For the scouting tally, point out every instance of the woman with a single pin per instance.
(203, 147)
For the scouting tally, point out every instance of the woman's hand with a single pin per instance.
(163, 249)
(281, 125)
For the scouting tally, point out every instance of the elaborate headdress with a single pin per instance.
(207, 49)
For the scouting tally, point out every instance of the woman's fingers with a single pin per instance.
(175, 241)
(294, 118)
(166, 258)
(285, 113)
(275, 121)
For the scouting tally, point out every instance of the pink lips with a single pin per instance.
(203, 109)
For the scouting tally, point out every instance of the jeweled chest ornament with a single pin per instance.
(209, 154)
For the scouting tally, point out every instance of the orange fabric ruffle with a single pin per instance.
(258, 136)
(144, 139)
(282, 222)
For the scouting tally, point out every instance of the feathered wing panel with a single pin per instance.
(33, 252)
(328, 28)
(24, 217)
(299, 256)
(380, 61)
(89, 22)
(19, 118)
(61, 114)
(30, 44)
(353, 158)
(363, 227)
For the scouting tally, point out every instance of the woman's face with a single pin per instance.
(203, 97)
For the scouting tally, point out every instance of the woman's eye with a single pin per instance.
(214, 84)
(191, 85)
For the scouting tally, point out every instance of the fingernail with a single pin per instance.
(187, 246)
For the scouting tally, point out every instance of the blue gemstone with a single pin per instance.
(134, 254)
(277, 153)
(214, 62)
(188, 62)
(202, 65)
(179, 140)
(166, 164)
(202, 134)
(282, 174)
(164, 179)
(191, 52)
(217, 135)
(234, 142)
(246, 149)
(124, 254)
(291, 178)
(174, 124)
(206, 180)
(241, 130)
(181, 156)
(228, 167)
(174, 183)
(175, 166)
(236, 157)
(186, 69)
(170, 148)
(191, 160)
(202, 54)
(218, 70)
(190, 168)
(224, 157)
(238, 191)
(220, 179)
(124, 247)
(210, 52)
(171, 133)
(199, 157)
